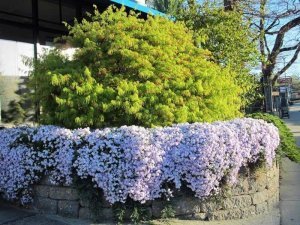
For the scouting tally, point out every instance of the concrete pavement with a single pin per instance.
(290, 176)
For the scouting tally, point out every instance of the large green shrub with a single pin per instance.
(127, 70)
(229, 38)
(288, 146)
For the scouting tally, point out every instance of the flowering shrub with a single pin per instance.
(130, 161)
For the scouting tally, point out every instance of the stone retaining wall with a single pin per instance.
(257, 192)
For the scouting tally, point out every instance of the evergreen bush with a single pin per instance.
(127, 70)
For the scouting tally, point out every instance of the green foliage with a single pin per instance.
(127, 70)
(171, 7)
(228, 36)
(139, 214)
(119, 213)
(15, 113)
(288, 146)
(167, 213)
(135, 211)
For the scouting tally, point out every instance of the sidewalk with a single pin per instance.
(290, 174)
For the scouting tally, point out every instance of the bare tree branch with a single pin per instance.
(278, 44)
(272, 32)
(266, 44)
(288, 65)
(290, 48)
(273, 24)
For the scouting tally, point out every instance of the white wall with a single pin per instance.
(11, 57)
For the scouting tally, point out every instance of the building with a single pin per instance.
(26, 26)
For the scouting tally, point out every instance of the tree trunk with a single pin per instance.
(229, 5)
(267, 91)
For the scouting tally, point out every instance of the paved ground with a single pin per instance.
(272, 218)
(290, 173)
(14, 216)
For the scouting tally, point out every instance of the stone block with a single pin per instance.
(85, 213)
(68, 208)
(224, 214)
(210, 205)
(157, 207)
(258, 181)
(104, 203)
(186, 205)
(242, 187)
(63, 193)
(273, 184)
(262, 208)
(41, 190)
(46, 205)
(200, 216)
(247, 212)
(181, 206)
(259, 197)
(84, 203)
(232, 213)
(272, 192)
(273, 202)
(46, 181)
(107, 213)
(273, 173)
(237, 202)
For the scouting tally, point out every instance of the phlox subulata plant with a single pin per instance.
(135, 162)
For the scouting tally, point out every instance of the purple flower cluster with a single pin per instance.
(135, 162)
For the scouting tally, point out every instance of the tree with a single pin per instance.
(171, 7)
(277, 24)
(278, 34)
(229, 5)
(229, 39)
(127, 70)
(275, 27)
(15, 113)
